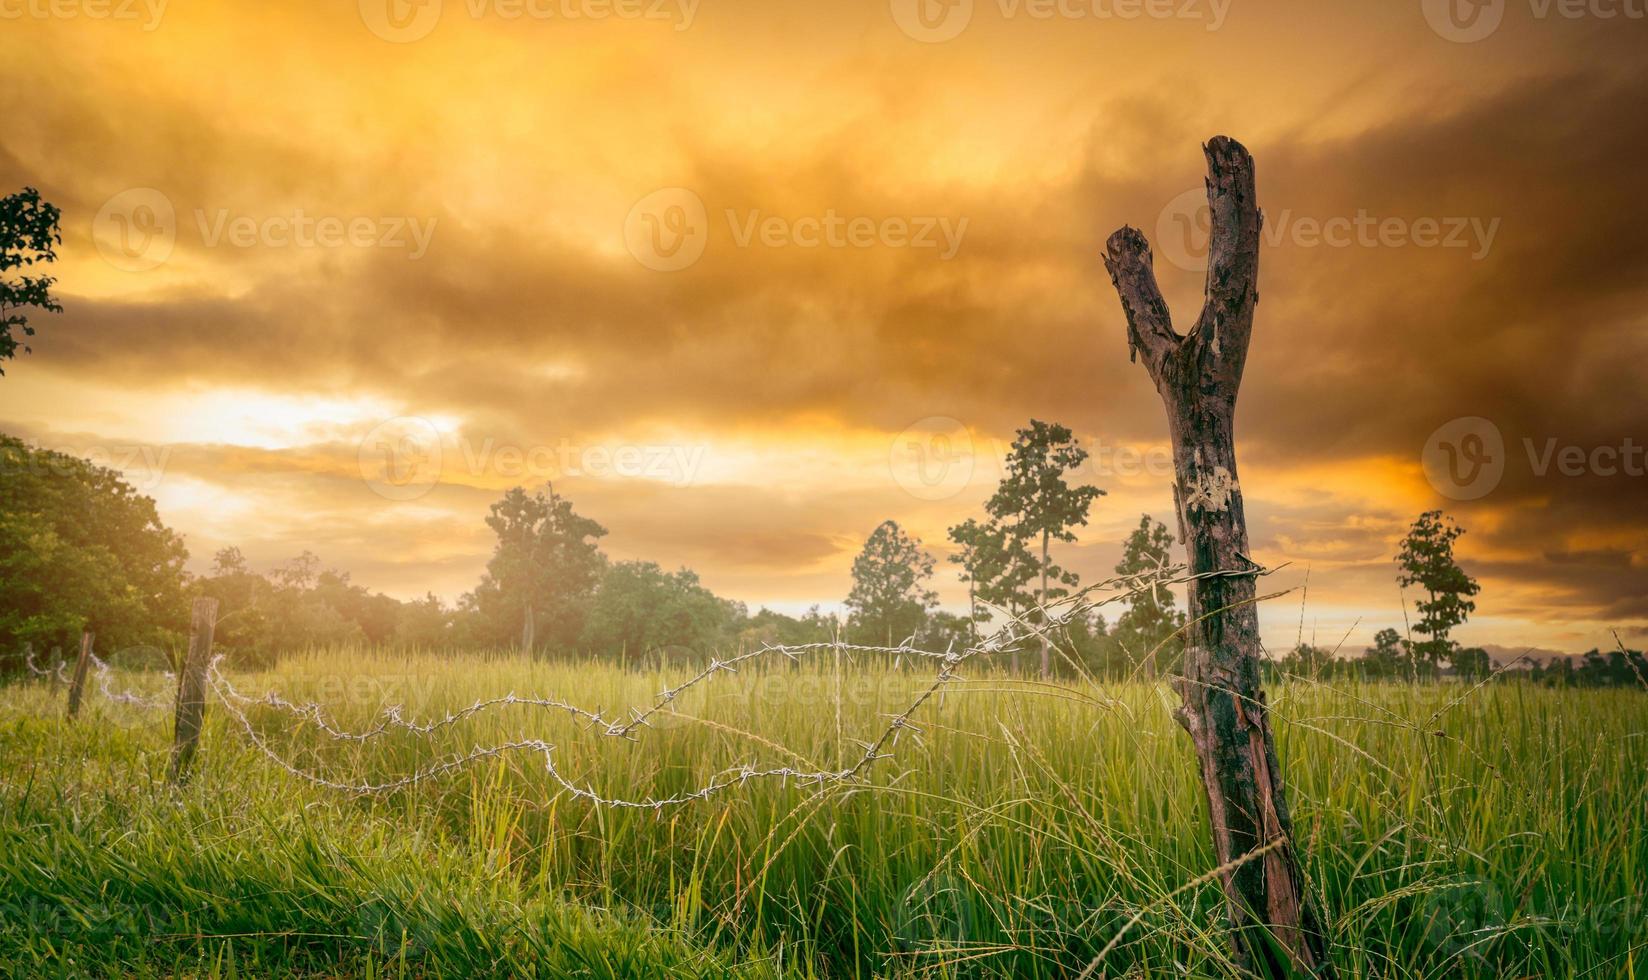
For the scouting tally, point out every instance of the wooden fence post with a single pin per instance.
(191, 688)
(82, 666)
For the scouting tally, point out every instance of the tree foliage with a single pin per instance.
(889, 600)
(28, 237)
(639, 608)
(1036, 506)
(545, 564)
(1427, 561)
(81, 549)
(1150, 630)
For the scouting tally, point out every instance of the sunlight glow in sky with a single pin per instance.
(586, 251)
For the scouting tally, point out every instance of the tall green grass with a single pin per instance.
(1450, 832)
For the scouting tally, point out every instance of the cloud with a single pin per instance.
(530, 323)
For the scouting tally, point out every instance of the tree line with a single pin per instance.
(81, 549)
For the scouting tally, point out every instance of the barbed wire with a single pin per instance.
(1016, 628)
(37, 670)
(105, 676)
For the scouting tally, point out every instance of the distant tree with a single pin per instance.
(945, 631)
(542, 574)
(1427, 561)
(81, 549)
(1471, 662)
(995, 567)
(1040, 506)
(244, 605)
(424, 624)
(889, 600)
(1005, 570)
(640, 608)
(1150, 628)
(1387, 657)
(1308, 660)
(1093, 646)
(969, 537)
(28, 236)
(770, 628)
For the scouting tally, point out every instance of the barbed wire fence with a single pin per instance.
(1015, 628)
(248, 715)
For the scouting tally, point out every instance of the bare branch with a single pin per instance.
(1226, 322)
(1149, 325)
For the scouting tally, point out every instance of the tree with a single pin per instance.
(1274, 926)
(994, 571)
(1471, 662)
(889, 602)
(1427, 561)
(81, 549)
(639, 608)
(770, 628)
(1308, 660)
(968, 538)
(1149, 628)
(1387, 656)
(424, 624)
(1039, 505)
(542, 574)
(28, 236)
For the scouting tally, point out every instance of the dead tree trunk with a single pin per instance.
(1275, 927)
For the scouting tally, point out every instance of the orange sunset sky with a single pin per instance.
(746, 277)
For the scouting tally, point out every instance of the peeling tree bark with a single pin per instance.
(1274, 925)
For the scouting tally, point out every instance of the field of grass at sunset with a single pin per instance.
(1020, 828)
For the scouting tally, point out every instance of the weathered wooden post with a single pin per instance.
(191, 688)
(82, 667)
(1275, 926)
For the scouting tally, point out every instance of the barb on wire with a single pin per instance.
(105, 675)
(1015, 629)
(58, 669)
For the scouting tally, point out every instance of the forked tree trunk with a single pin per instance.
(1275, 927)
